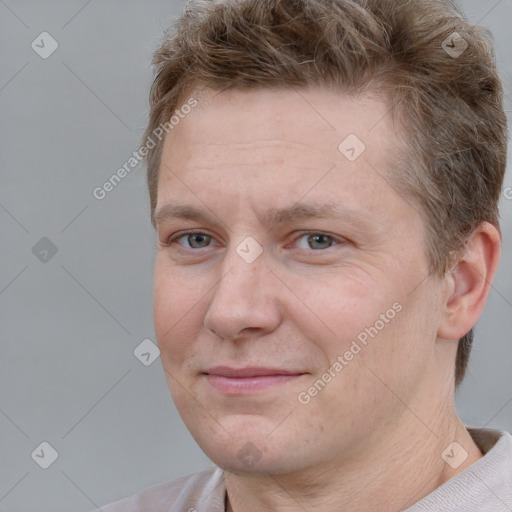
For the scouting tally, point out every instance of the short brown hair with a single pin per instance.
(450, 104)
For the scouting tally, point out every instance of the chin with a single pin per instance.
(253, 461)
(252, 454)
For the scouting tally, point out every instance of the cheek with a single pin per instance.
(369, 326)
(177, 313)
(334, 309)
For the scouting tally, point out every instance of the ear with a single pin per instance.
(470, 281)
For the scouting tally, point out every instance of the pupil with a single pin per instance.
(317, 239)
(198, 239)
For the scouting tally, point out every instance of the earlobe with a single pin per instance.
(470, 281)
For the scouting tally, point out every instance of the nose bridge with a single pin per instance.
(244, 268)
(242, 297)
(240, 281)
(238, 286)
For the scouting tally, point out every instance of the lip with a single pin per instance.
(250, 371)
(240, 381)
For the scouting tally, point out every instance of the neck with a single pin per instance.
(394, 470)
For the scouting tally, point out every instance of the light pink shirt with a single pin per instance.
(486, 486)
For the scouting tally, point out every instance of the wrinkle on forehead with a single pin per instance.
(254, 153)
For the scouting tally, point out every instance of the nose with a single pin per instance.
(245, 300)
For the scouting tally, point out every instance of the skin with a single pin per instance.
(372, 438)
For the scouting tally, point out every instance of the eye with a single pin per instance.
(315, 240)
(192, 240)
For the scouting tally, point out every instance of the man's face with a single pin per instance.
(246, 285)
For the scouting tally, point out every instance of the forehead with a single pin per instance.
(310, 120)
(237, 144)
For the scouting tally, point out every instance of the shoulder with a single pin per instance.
(192, 492)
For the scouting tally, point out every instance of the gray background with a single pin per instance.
(69, 326)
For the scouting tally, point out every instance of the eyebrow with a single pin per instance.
(272, 216)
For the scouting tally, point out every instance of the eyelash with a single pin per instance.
(179, 236)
